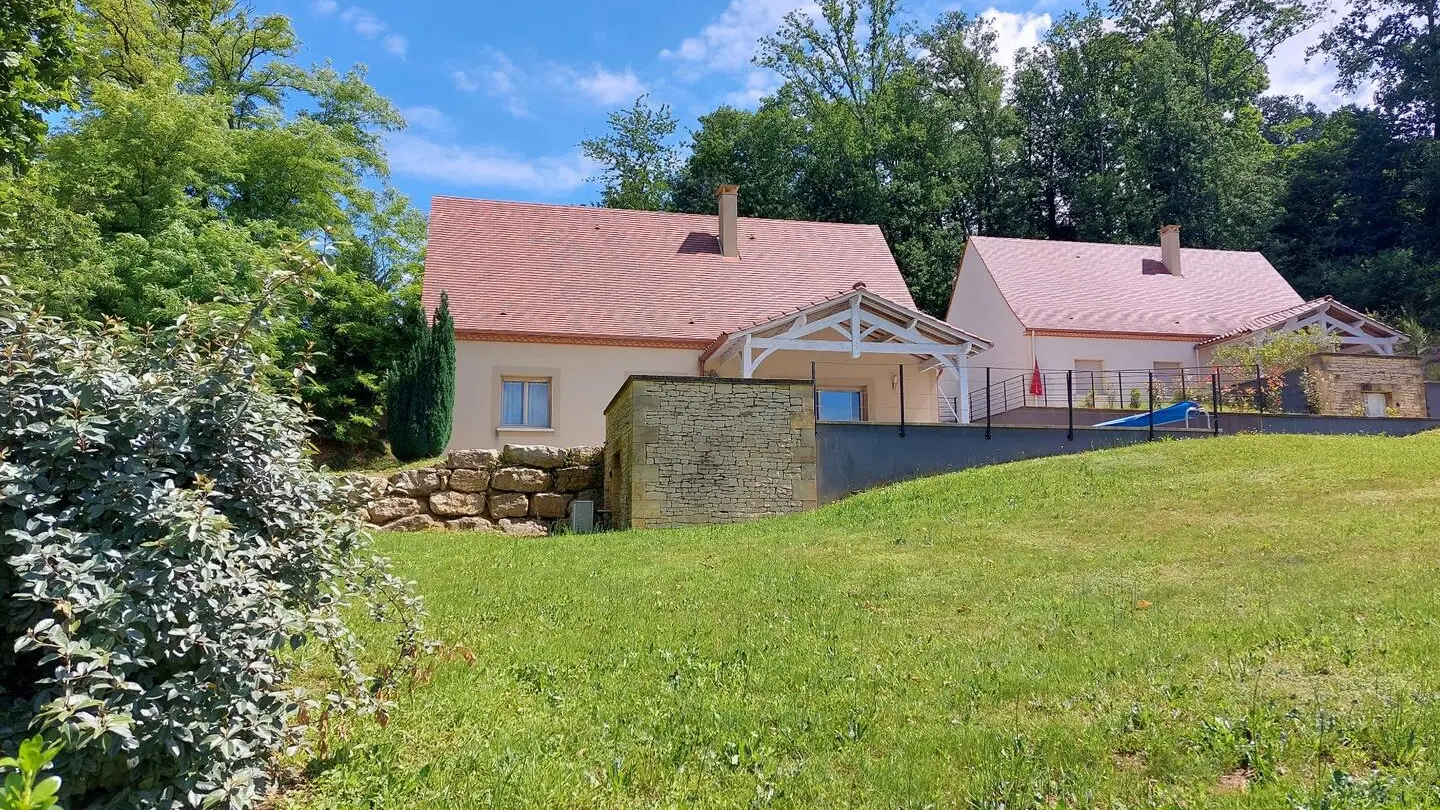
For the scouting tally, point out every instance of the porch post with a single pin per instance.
(747, 362)
(962, 365)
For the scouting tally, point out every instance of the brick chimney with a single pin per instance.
(1170, 248)
(729, 208)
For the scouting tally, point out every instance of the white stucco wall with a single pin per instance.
(977, 306)
(878, 375)
(1117, 354)
(583, 379)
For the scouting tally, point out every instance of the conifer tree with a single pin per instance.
(420, 396)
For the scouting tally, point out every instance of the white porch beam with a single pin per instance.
(963, 367)
(855, 326)
(867, 348)
(747, 362)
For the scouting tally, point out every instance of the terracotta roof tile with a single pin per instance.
(526, 268)
(1091, 287)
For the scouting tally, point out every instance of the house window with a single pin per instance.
(1089, 377)
(524, 403)
(842, 405)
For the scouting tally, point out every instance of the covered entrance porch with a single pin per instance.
(872, 360)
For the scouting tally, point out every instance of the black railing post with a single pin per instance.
(902, 400)
(1070, 404)
(1150, 383)
(987, 403)
(1215, 402)
(1259, 389)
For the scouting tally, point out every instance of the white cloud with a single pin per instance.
(498, 77)
(758, 85)
(366, 23)
(427, 118)
(728, 43)
(1013, 31)
(363, 20)
(455, 165)
(608, 89)
(1293, 72)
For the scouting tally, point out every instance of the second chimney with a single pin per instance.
(1170, 248)
(729, 213)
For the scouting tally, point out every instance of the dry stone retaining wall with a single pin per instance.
(521, 489)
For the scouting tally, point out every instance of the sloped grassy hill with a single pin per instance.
(1244, 621)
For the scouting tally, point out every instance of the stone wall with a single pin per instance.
(1343, 380)
(688, 451)
(522, 489)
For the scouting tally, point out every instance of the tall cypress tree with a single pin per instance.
(420, 396)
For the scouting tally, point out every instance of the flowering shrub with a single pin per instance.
(170, 557)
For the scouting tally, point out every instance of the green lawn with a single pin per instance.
(1246, 621)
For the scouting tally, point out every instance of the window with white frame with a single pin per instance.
(525, 402)
(842, 404)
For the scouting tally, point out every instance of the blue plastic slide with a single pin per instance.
(1179, 412)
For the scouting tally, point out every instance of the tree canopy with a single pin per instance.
(198, 148)
(1119, 120)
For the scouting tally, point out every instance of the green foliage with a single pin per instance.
(420, 398)
(172, 556)
(199, 149)
(1276, 352)
(23, 788)
(637, 164)
(1114, 125)
(1120, 629)
(38, 63)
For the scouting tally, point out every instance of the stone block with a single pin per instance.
(388, 510)
(524, 528)
(574, 479)
(473, 459)
(520, 479)
(468, 480)
(415, 483)
(805, 490)
(534, 455)
(414, 523)
(471, 524)
(549, 505)
(508, 505)
(457, 504)
(585, 455)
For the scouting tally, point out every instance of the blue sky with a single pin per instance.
(499, 94)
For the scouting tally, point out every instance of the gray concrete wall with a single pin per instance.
(1432, 398)
(852, 457)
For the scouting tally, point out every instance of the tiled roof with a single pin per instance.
(1090, 287)
(572, 272)
(1305, 309)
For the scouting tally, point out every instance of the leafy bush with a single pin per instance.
(23, 788)
(420, 398)
(171, 558)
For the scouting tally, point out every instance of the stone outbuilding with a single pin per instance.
(693, 451)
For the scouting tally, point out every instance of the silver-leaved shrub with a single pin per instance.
(171, 563)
